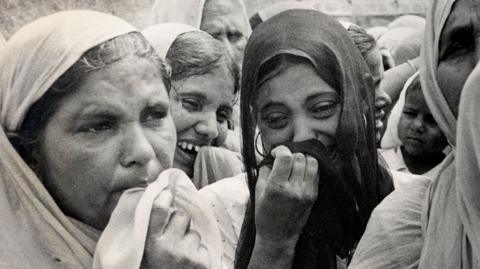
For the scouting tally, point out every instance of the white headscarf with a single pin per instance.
(390, 139)
(35, 233)
(450, 214)
(3, 42)
(162, 36)
(185, 11)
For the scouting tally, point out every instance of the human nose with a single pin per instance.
(417, 124)
(382, 99)
(208, 126)
(137, 148)
(302, 130)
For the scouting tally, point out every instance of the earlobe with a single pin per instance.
(368, 78)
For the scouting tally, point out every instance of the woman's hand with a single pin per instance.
(175, 246)
(284, 197)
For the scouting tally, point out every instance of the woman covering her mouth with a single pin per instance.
(308, 90)
(85, 127)
(204, 89)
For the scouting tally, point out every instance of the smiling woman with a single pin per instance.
(307, 89)
(204, 88)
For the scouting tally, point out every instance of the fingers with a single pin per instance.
(178, 225)
(160, 212)
(192, 240)
(311, 177)
(298, 170)
(282, 165)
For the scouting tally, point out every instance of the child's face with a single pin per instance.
(417, 129)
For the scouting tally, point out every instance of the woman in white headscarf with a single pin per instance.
(435, 225)
(204, 89)
(85, 133)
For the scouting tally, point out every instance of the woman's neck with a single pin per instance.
(421, 164)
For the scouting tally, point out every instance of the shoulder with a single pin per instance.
(393, 237)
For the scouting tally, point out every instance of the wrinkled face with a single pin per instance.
(459, 50)
(201, 106)
(113, 133)
(297, 105)
(224, 20)
(382, 100)
(418, 131)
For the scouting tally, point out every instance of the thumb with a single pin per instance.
(160, 215)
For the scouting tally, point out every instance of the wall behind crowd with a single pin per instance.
(14, 13)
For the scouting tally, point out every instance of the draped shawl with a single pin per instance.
(326, 45)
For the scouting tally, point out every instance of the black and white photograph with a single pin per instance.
(239, 134)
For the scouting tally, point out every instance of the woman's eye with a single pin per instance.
(223, 116)
(275, 120)
(94, 128)
(457, 48)
(409, 114)
(234, 36)
(324, 110)
(191, 104)
(154, 118)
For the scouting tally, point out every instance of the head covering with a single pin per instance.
(162, 36)
(448, 231)
(468, 163)
(186, 11)
(35, 233)
(377, 31)
(3, 42)
(390, 138)
(412, 21)
(403, 43)
(277, 8)
(339, 63)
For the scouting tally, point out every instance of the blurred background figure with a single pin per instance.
(225, 20)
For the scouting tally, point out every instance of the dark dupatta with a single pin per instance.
(326, 45)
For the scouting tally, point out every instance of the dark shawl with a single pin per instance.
(325, 43)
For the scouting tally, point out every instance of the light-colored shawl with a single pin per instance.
(468, 164)
(3, 42)
(446, 215)
(186, 11)
(162, 36)
(34, 231)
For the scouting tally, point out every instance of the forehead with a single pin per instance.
(223, 11)
(294, 82)
(128, 80)
(217, 82)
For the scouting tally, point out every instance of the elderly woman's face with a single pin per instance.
(297, 105)
(113, 133)
(223, 19)
(201, 106)
(459, 50)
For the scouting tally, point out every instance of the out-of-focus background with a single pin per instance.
(15, 13)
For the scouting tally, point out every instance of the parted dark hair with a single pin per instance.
(198, 53)
(362, 40)
(94, 59)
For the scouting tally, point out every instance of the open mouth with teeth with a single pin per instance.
(188, 147)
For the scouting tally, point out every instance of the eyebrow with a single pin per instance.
(192, 93)
(333, 95)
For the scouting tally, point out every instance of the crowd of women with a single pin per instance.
(212, 140)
